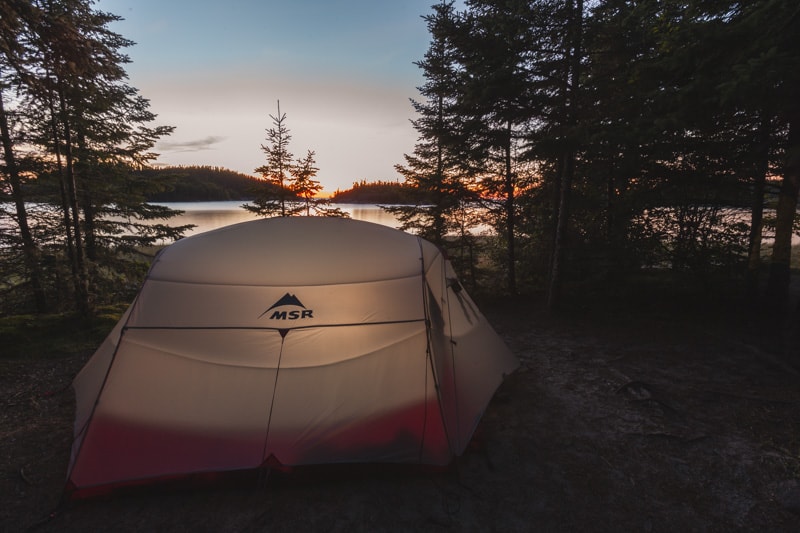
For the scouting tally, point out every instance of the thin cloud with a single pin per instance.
(197, 145)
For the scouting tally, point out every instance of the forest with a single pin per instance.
(603, 142)
(200, 184)
(616, 184)
(380, 192)
(607, 139)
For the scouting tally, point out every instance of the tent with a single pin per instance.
(286, 341)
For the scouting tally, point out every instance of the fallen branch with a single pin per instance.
(25, 477)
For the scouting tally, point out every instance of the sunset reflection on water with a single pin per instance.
(207, 216)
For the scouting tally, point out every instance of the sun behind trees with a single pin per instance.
(288, 187)
(610, 142)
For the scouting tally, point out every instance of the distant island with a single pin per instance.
(199, 184)
(210, 184)
(378, 192)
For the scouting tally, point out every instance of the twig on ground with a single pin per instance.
(25, 477)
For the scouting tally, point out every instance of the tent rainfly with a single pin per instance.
(286, 341)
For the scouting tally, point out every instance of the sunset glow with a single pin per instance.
(212, 70)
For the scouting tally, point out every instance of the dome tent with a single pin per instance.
(291, 341)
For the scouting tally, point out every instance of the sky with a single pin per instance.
(343, 71)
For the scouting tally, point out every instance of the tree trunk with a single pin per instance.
(439, 222)
(65, 216)
(82, 280)
(510, 208)
(87, 205)
(780, 266)
(757, 211)
(612, 253)
(574, 53)
(557, 267)
(29, 249)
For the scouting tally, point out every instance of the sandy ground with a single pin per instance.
(650, 423)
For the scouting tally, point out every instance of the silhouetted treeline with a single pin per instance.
(200, 184)
(209, 183)
(599, 140)
(379, 192)
(610, 138)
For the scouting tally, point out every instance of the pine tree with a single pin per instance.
(273, 197)
(434, 168)
(87, 128)
(569, 121)
(305, 187)
(495, 43)
(766, 69)
(15, 19)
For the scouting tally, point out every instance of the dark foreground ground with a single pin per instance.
(655, 421)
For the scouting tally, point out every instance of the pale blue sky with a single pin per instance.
(342, 69)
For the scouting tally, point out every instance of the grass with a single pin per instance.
(54, 335)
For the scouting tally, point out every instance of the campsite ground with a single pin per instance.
(648, 419)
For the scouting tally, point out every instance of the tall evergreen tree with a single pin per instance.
(571, 88)
(87, 127)
(720, 94)
(305, 188)
(766, 67)
(303, 185)
(495, 45)
(648, 124)
(434, 168)
(15, 21)
(274, 196)
(288, 187)
(618, 127)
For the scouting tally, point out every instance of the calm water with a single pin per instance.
(212, 215)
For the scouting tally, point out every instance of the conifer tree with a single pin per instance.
(273, 198)
(288, 186)
(15, 19)
(86, 127)
(495, 46)
(306, 189)
(767, 68)
(434, 168)
(569, 121)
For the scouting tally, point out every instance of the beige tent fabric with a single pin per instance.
(293, 341)
(324, 251)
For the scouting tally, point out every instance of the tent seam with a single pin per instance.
(257, 285)
(273, 328)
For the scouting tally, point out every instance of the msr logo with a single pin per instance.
(288, 300)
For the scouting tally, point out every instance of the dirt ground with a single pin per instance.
(654, 422)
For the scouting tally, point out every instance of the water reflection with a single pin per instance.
(212, 215)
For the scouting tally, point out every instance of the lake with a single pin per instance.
(212, 215)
